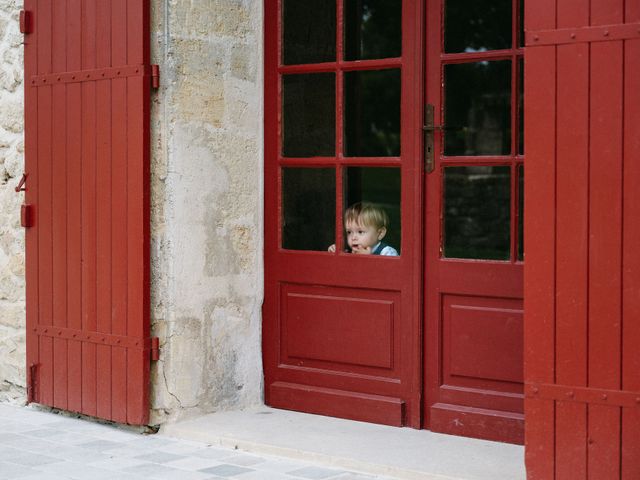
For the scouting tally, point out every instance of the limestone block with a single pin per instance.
(12, 113)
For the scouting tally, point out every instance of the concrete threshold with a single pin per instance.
(403, 453)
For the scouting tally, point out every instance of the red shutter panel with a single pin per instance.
(87, 81)
(582, 272)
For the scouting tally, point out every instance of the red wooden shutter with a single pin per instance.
(87, 165)
(582, 271)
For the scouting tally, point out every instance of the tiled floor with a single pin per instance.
(46, 446)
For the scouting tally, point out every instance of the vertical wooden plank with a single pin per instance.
(539, 298)
(59, 203)
(136, 378)
(89, 307)
(630, 469)
(270, 309)
(572, 240)
(605, 231)
(105, 145)
(74, 202)
(119, 201)
(31, 194)
(45, 286)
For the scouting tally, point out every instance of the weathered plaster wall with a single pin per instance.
(207, 206)
(12, 293)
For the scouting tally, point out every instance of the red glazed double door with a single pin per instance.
(415, 109)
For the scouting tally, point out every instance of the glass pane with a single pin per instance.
(372, 113)
(521, 212)
(477, 25)
(308, 208)
(309, 31)
(372, 29)
(477, 211)
(478, 108)
(308, 115)
(521, 25)
(379, 187)
(521, 107)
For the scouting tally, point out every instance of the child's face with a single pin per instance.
(362, 238)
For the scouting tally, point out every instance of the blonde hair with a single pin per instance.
(367, 214)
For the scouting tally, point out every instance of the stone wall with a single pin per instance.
(207, 206)
(12, 293)
(206, 252)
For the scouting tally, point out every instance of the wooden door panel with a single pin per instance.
(328, 325)
(482, 341)
(576, 319)
(87, 113)
(474, 332)
(341, 331)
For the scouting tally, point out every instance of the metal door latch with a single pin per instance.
(429, 128)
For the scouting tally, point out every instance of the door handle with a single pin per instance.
(429, 128)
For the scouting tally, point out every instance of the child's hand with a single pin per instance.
(332, 248)
(360, 250)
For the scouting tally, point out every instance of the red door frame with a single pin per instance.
(290, 383)
(285, 382)
(476, 407)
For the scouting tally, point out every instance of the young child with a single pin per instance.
(366, 226)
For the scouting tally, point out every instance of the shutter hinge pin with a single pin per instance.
(31, 387)
(155, 349)
(155, 76)
(26, 25)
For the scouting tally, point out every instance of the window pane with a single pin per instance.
(309, 31)
(372, 29)
(521, 212)
(372, 113)
(477, 25)
(308, 115)
(521, 107)
(478, 108)
(379, 186)
(477, 212)
(308, 208)
(521, 25)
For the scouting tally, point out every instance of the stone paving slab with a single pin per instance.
(38, 445)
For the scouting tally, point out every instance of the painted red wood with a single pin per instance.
(572, 240)
(31, 237)
(87, 157)
(592, 327)
(74, 203)
(473, 309)
(89, 221)
(630, 455)
(138, 212)
(539, 231)
(346, 378)
(59, 205)
(44, 202)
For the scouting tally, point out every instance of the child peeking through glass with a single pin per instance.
(366, 226)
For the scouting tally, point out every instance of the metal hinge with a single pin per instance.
(155, 76)
(26, 24)
(33, 382)
(26, 215)
(155, 349)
